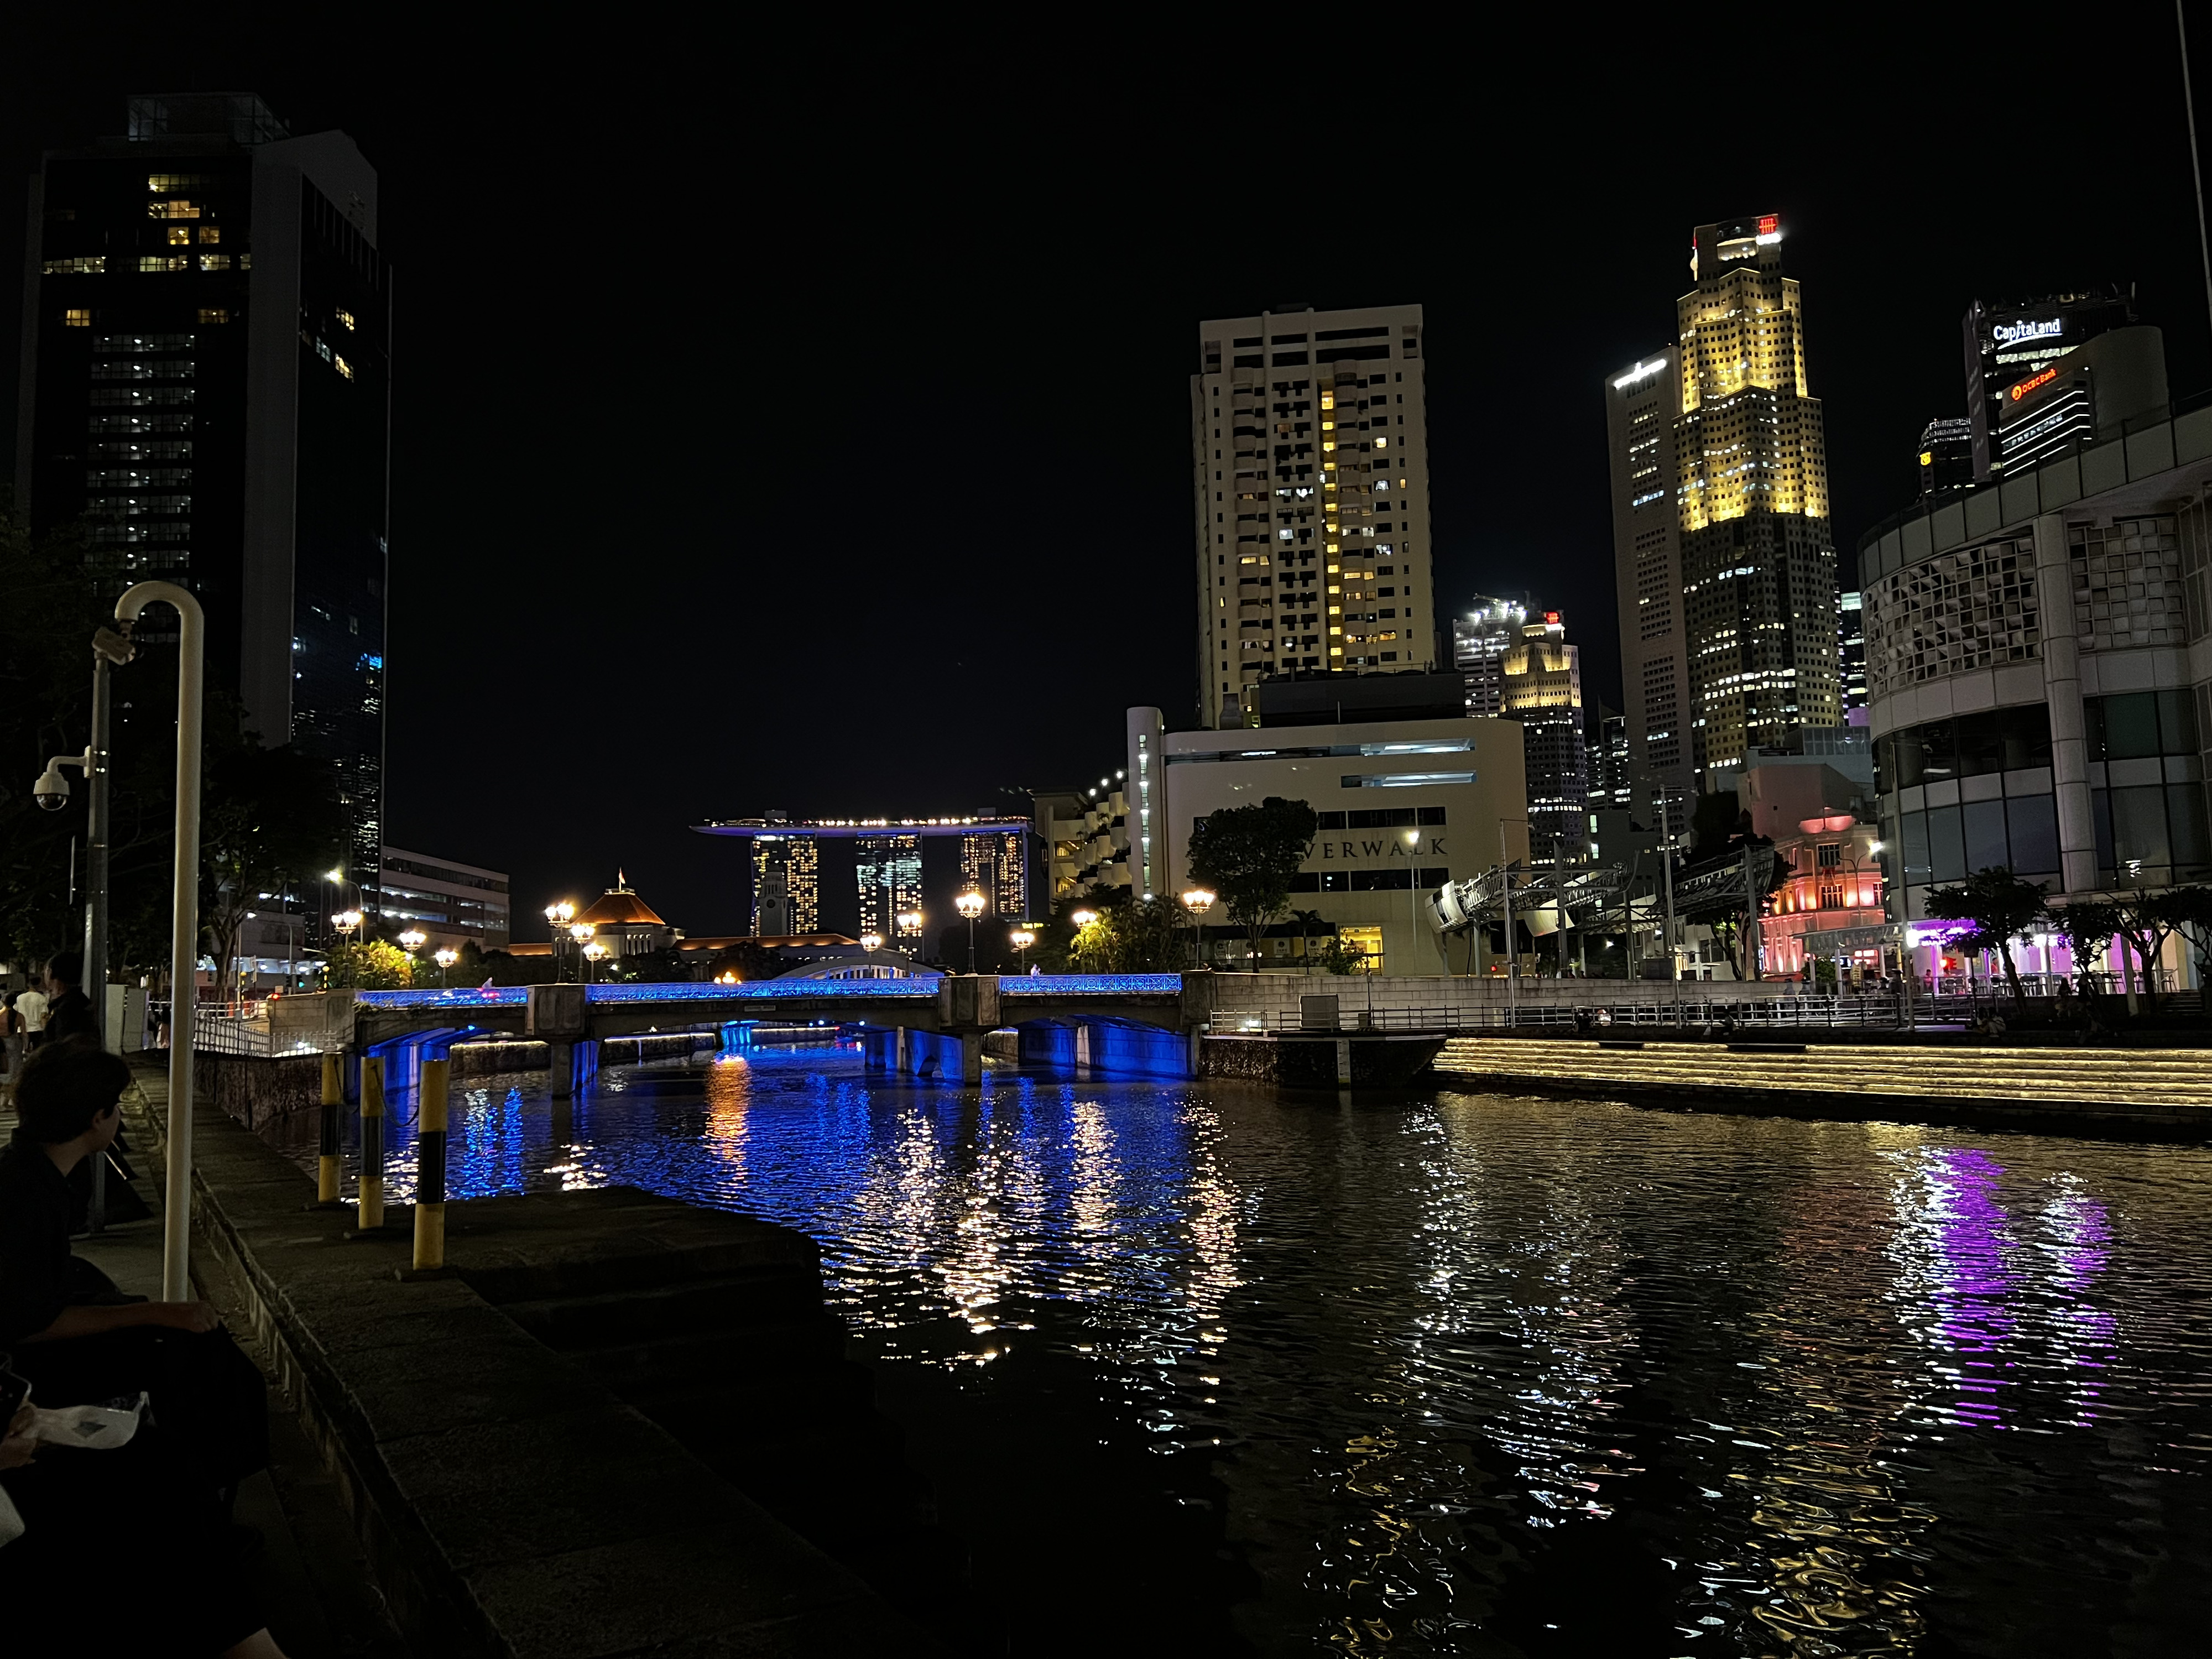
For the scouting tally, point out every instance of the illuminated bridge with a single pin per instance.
(926, 1024)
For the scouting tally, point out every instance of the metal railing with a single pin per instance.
(1591, 1020)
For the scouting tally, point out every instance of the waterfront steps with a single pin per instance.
(2167, 1089)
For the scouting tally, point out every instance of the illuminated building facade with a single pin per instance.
(1641, 405)
(1541, 689)
(858, 875)
(1732, 640)
(887, 870)
(1309, 447)
(996, 863)
(449, 901)
(205, 384)
(2009, 341)
(1481, 637)
(2092, 392)
(787, 884)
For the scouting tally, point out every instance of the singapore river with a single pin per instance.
(1200, 1368)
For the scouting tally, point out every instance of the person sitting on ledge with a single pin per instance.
(78, 1339)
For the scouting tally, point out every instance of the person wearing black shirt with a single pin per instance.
(72, 1334)
(69, 1011)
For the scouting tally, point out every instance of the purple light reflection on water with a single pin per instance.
(1971, 1302)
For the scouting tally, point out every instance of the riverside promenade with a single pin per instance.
(507, 1498)
(2155, 1093)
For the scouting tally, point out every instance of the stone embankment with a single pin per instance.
(600, 1433)
(2154, 1093)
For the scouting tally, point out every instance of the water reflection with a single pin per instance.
(1474, 1375)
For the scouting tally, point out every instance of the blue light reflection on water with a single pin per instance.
(1778, 1387)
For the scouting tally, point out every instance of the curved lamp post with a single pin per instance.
(970, 905)
(1198, 900)
(183, 919)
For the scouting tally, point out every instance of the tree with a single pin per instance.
(1248, 856)
(272, 818)
(370, 965)
(2189, 909)
(2087, 926)
(1130, 936)
(2000, 908)
(2145, 921)
(1337, 957)
(1310, 923)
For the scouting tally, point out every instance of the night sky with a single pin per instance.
(800, 422)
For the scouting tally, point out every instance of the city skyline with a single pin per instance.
(506, 459)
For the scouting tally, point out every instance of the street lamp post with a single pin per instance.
(579, 935)
(872, 943)
(1512, 943)
(184, 929)
(412, 940)
(909, 927)
(557, 917)
(1022, 939)
(1413, 892)
(970, 905)
(1198, 900)
(593, 952)
(444, 958)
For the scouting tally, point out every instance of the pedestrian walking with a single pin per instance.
(31, 1009)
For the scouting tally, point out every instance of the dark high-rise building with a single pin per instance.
(1851, 654)
(2007, 341)
(1612, 784)
(206, 387)
(1946, 455)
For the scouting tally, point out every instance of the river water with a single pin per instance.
(1200, 1368)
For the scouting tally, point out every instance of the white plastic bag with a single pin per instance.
(95, 1428)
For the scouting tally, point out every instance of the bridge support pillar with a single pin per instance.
(561, 1074)
(1082, 1055)
(902, 1057)
(1194, 1045)
(971, 1056)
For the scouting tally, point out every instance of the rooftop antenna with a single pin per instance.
(2196, 167)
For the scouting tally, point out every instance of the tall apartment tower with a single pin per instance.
(1731, 642)
(1309, 451)
(206, 387)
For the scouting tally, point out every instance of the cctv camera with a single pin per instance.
(52, 791)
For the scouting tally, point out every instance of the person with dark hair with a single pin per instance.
(69, 1011)
(74, 1335)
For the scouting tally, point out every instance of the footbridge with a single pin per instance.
(1146, 1024)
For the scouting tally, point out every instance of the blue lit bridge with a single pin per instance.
(1141, 1024)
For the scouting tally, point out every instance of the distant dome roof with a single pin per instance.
(618, 905)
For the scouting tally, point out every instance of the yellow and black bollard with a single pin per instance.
(326, 1178)
(430, 1169)
(372, 1143)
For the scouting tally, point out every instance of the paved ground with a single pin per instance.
(312, 1580)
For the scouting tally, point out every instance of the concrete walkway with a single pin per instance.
(312, 1579)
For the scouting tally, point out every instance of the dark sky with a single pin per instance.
(800, 422)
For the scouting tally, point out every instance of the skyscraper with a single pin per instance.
(1850, 651)
(1946, 455)
(1309, 444)
(2007, 341)
(205, 384)
(1732, 640)
(1541, 688)
(1482, 635)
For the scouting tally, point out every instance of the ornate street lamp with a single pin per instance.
(1023, 939)
(970, 905)
(444, 958)
(1198, 900)
(413, 940)
(593, 952)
